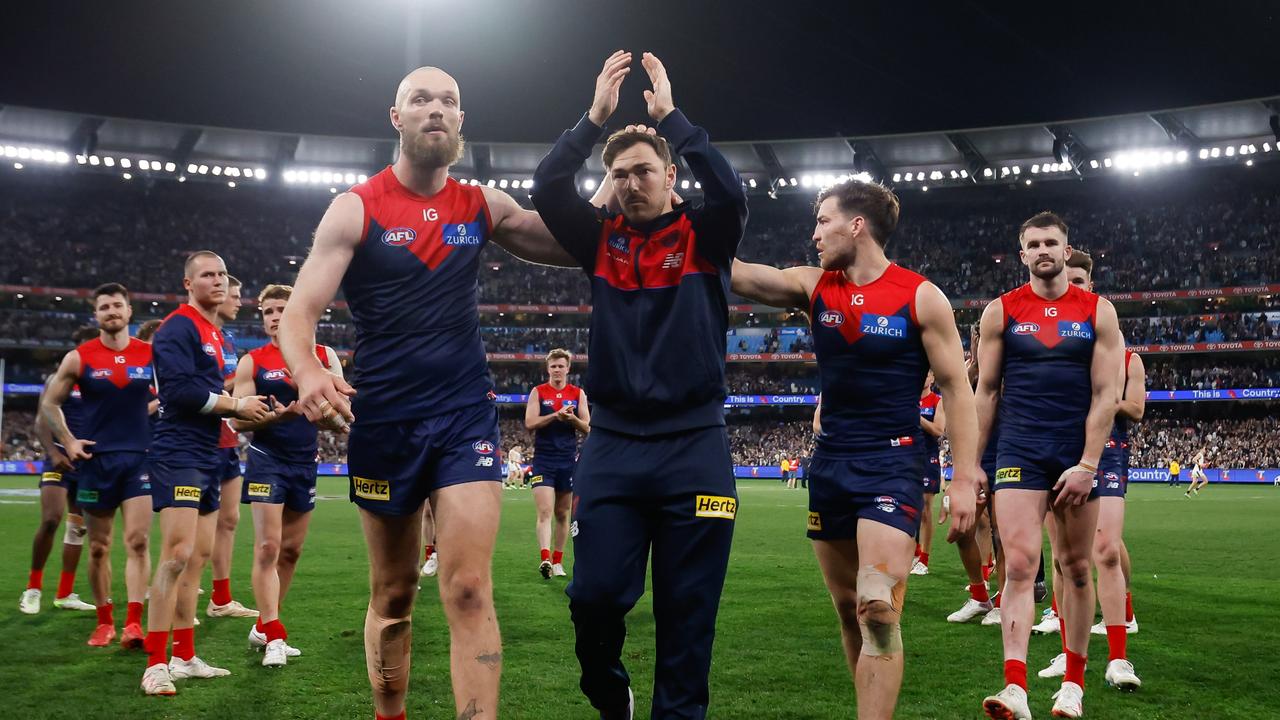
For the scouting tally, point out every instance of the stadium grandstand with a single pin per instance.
(1174, 195)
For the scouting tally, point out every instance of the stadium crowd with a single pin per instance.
(1229, 443)
(1222, 236)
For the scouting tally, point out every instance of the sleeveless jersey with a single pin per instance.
(295, 440)
(871, 363)
(928, 409)
(228, 438)
(1048, 354)
(1120, 428)
(411, 289)
(557, 442)
(115, 386)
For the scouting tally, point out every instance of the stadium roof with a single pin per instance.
(1210, 134)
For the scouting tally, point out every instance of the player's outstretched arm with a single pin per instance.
(322, 396)
(1133, 404)
(1075, 484)
(766, 284)
(946, 357)
(990, 374)
(56, 391)
(522, 233)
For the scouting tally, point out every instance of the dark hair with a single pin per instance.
(233, 281)
(874, 202)
(148, 328)
(624, 139)
(1044, 219)
(84, 334)
(110, 289)
(1080, 259)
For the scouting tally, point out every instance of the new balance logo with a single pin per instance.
(673, 260)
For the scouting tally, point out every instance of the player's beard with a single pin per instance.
(1051, 273)
(423, 152)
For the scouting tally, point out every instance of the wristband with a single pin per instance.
(238, 406)
(1086, 466)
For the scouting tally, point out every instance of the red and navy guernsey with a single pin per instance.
(929, 411)
(411, 289)
(557, 442)
(1048, 357)
(187, 357)
(294, 440)
(659, 289)
(871, 361)
(115, 386)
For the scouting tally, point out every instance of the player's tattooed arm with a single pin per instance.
(57, 390)
(784, 288)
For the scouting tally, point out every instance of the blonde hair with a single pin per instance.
(559, 354)
(275, 292)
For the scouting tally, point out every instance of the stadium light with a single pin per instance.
(752, 182)
(170, 167)
(1231, 151)
(897, 177)
(589, 183)
(1215, 152)
(491, 183)
(349, 178)
(17, 166)
(684, 184)
(502, 183)
(144, 164)
(924, 188)
(365, 178)
(109, 161)
(986, 172)
(793, 182)
(126, 163)
(203, 169)
(1028, 181)
(1035, 169)
(1248, 163)
(964, 173)
(231, 183)
(527, 184)
(127, 176)
(61, 158)
(1181, 156)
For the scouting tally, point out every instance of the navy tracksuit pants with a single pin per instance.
(672, 497)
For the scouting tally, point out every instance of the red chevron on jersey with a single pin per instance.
(428, 228)
(1026, 314)
(118, 367)
(876, 308)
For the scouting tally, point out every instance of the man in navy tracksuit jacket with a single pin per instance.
(655, 473)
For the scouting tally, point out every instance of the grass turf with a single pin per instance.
(1205, 592)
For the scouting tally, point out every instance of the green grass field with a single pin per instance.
(1206, 591)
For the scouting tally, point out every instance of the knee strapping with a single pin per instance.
(75, 531)
(387, 644)
(880, 597)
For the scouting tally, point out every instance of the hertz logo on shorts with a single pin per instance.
(535, 479)
(51, 477)
(716, 506)
(259, 489)
(815, 522)
(1009, 475)
(186, 492)
(371, 489)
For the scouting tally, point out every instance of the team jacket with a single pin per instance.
(659, 290)
(186, 353)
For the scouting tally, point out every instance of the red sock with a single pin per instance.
(978, 591)
(66, 583)
(134, 616)
(995, 602)
(274, 630)
(221, 591)
(157, 643)
(106, 615)
(924, 559)
(380, 716)
(1075, 668)
(557, 557)
(184, 643)
(546, 555)
(1128, 607)
(426, 552)
(257, 625)
(1117, 635)
(35, 580)
(1015, 673)
(919, 550)
(987, 570)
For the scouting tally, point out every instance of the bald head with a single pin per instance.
(429, 78)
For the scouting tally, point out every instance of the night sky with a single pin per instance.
(745, 70)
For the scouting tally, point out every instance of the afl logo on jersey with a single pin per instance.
(275, 374)
(484, 447)
(210, 350)
(399, 237)
(831, 318)
(1027, 328)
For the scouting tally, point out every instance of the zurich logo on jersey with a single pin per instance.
(1072, 329)
(484, 447)
(890, 326)
(831, 318)
(140, 372)
(1026, 328)
(462, 234)
(399, 237)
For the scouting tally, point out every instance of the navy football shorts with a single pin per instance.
(228, 464)
(1034, 464)
(932, 479)
(394, 466)
(558, 476)
(276, 482)
(881, 485)
(109, 478)
(173, 486)
(1113, 473)
(58, 479)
